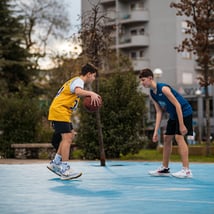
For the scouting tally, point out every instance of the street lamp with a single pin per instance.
(157, 73)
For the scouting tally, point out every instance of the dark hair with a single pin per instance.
(146, 73)
(88, 68)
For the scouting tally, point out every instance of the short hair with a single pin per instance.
(88, 68)
(146, 73)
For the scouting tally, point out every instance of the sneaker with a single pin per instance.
(55, 168)
(67, 173)
(161, 171)
(184, 173)
(72, 175)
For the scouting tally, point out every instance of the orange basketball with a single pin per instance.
(88, 106)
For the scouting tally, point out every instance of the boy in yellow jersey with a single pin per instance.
(60, 113)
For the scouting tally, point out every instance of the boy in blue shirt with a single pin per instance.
(165, 98)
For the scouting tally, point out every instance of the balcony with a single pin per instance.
(135, 16)
(134, 41)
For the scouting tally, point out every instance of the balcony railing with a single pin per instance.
(135, 16)
(134, 41)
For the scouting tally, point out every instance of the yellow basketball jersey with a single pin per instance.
(64, 103)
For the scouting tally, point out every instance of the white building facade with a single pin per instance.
(147, 31)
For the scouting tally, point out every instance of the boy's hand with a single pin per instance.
(183, 130)
(155, 138)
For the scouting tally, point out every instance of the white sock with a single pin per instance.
(57, 159)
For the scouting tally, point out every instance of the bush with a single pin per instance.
(19, 118)
(122, 116)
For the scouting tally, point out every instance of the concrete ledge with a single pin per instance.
(33, 150)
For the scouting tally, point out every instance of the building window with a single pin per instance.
(133, 32)
(133, 55)
(137, 6)
(142, 31)
(186, 54)
(141, 53)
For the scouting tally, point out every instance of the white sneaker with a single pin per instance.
(55, 168)
(67, 173)
(72, 175)
(161, 171)
(184, 173)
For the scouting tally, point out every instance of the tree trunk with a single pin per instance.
(100, 137)
(100, 132)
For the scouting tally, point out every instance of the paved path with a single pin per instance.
(120, 187)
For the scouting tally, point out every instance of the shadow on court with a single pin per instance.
(120, 187)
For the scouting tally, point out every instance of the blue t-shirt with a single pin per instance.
(166, 105)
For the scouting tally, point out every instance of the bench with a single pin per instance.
(33, 150)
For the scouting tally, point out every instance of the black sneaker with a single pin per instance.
(161, 171)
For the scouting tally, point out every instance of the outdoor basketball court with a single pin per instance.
(120, 187)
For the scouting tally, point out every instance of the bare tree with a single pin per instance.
(199, 16)
(95, 38)
(43, 21)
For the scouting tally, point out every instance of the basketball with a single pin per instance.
(88, 106)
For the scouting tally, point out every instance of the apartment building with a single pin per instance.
(147, 31)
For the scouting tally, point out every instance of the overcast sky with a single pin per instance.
(62, 46)
(74, 8)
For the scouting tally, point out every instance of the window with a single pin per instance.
(133, 55)
(141, 31)
(186, 55)
(141, 53)
(133, 32)
(137, 6)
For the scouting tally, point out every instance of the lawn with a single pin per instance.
(155, 155)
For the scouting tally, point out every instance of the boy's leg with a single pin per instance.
(65, 144)
(183, 150)
(167, 149)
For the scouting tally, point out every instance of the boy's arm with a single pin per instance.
(95, 98)
(166, 90)
(157, 121)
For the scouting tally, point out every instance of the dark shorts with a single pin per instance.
(173, 126)
(60, 128)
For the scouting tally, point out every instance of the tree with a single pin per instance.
(14, 59)
(43, 21)
(122, 112)
(20, 116)
(95, 38)
(200, 40)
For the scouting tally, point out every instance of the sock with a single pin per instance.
(185, 168)
(57, 159)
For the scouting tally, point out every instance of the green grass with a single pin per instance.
(154, 155)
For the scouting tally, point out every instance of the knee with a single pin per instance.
(67, 137)
(167, 139)
(179, 138)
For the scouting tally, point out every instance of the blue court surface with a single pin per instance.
(120, 187)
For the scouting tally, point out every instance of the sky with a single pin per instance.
(74, 9)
